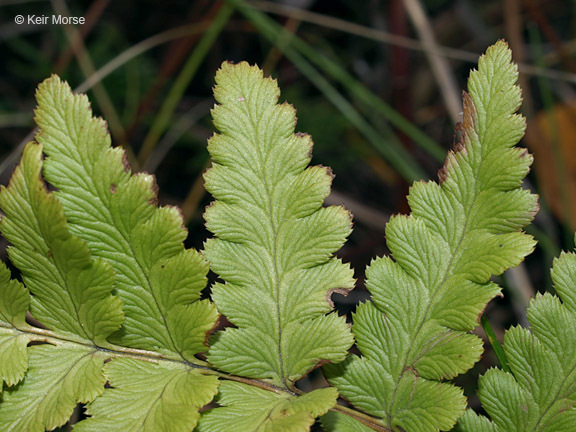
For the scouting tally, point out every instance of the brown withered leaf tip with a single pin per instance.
(461, 132)
(329, 172)
(155, 189)
(126, 163)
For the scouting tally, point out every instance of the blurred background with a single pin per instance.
(377, 83)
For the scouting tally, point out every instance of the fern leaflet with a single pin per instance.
(414, 334)
(268, 410)
(273, 241)
(72, 292)
(158, 281)
(540, 393)
(98, 233)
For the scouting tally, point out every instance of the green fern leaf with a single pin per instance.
(472, 421)
(113, 211)
(70, 288)
(335, 421)
(58, 379)
(461, 231)
(274, 241)
(14, 302)
(13, 356)
(71, 266)
(250, 409)
(169, 394)
(72, 294)
(540, 392)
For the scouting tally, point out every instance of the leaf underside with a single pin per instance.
(57, 380)
(335, 421)
(72, 295)
(414, 333)
(72, 291)
(14, 302)
(268, 411)
(169, 395)
(114, 212)
(540, 393)
(273, 248)
(273, 240)
(104, 269)
(107, 271)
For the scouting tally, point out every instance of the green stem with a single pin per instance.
(39, 335)
(495, 344)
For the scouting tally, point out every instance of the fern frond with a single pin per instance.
(72, 294)
(14, 302)
(99, 232)
(267, 410)
(105, 272)
(461, 231)
(273, 240)
(114, 212)
(168, 394)
(540, 392)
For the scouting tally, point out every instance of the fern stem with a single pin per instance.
(36, 334)
(47, 336)
(42, 335)
(365, 419)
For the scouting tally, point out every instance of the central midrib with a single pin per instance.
(34, 209)
(276, 281)
(270, 205)
(422, 322)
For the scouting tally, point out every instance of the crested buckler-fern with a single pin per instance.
(539, 394)
(110, 313)
(100, 232)
(414, 333)
(273, 248)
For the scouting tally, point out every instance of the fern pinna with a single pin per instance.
(539, 392)
(99, 232)
(273, 248)
(111, 280)
(116, 321)
(414, 333)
